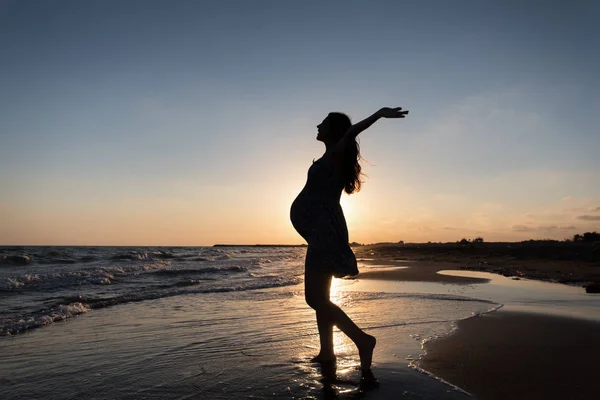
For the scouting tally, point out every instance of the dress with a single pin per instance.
(318, 217)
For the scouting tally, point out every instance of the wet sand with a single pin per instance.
(416, 271)
(510, 355)
(577, 264)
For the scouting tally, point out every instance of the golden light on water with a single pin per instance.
(335, 292)
(341, 343)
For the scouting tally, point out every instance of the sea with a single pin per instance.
(206, 322)
(43, 285)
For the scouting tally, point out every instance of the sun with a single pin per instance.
(350, 209)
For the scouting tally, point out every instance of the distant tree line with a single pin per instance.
(467, 241)
(587, 237)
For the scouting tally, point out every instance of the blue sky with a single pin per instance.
(182, 122)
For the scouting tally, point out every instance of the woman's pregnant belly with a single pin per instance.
(302, 215)
(315, 217)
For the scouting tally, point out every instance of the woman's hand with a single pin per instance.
(387, 112)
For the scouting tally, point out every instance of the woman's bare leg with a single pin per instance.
(326, 339)
(316, 288)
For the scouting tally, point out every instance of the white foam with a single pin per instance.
(56, 314)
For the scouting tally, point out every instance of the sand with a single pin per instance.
(416, 271)
(573, 263)
(509, 355)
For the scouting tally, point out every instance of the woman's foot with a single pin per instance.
(365, 352)
(368, 380)
(324, 358)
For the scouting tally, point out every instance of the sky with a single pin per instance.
(194, 122)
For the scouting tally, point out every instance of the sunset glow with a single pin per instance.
(196, 125)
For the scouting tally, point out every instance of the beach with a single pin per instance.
(226, 323)
(175, 174)
(542, 344)
(512, 355)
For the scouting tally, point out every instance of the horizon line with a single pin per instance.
(352, 244)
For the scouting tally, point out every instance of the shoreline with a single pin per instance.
(581, 269)
(506, 353)
(423, 271)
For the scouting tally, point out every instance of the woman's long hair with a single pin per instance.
(339, 124)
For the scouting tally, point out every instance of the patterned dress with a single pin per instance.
(318, 217)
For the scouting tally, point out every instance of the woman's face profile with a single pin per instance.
(323, 130)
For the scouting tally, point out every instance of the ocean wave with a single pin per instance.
(105, 275)
(16, 283)
(11, 326)
(188, 282)
(94, 276)
(188, 271)
(130, 255)
(58, 261)
(56, 253)
(197, 259)
(137, 255)
(70, 307)
(162, 255)
(14, 260)
(15, 256)
(48, 284)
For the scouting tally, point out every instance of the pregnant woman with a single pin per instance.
(318, 217)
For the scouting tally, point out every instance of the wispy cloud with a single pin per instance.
(542, 228)
(588, 217)
(523, 228)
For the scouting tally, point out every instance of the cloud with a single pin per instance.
(522, 228)
(588, 217)
(542, 228)
(449, 228)
(551, 228)
(582, 209)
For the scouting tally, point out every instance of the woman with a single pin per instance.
(318, 217)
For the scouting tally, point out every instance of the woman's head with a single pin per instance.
(333, 127)
(330, 131)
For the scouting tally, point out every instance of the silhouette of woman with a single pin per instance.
(318, 217)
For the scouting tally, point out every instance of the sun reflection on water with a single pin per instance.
(334, 292)
(341, 343)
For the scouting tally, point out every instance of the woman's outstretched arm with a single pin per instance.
(385, 112)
